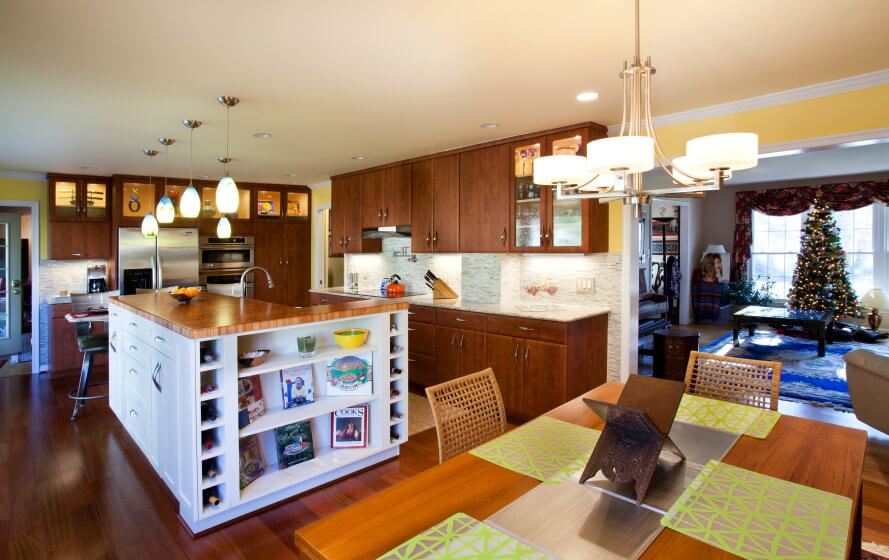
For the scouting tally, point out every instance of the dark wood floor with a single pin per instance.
(83, 490)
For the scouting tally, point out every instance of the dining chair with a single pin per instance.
(739, 380)
(468, 411)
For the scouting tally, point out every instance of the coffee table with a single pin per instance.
(816, 322)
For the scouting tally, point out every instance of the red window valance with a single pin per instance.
(793, 200)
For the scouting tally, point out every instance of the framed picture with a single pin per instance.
(294, 443)
(297, 386)
(251, 405)
(348, 427)
(252, 465)
(349, 375)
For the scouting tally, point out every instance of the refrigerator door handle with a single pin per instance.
(160, 273)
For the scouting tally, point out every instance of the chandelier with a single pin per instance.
(613, 167)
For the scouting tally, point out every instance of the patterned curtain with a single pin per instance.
(793, 200)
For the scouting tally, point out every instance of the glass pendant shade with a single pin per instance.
(561, 170)
(735, 151)
(166, 212)
(190, 203)
(227, 198)
(605, 182)
(149, 225)
(224, 228)
(633, 154)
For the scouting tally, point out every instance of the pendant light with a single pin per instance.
(149, 223)
(190, 203)
(227, 198)
(166, 211)
(224, 228)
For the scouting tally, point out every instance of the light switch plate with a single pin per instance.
(585, 285)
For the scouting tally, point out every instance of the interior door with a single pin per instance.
(10, 284)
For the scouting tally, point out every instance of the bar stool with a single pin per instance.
(89, 344)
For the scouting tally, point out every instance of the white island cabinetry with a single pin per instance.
(159, 385)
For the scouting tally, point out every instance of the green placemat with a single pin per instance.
(759, 517)
(461, 536)
(545, 448)
(727, 416)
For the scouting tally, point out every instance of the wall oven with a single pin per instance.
(226, 255)
(227, 282)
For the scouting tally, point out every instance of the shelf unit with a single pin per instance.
(278, 362)
(398, 409)
(279, 416)
(212, 373)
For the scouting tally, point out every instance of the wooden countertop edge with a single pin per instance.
(286, 316)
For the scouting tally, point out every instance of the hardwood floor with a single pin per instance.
(83, 490)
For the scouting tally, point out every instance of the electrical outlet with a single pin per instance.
(585, 285)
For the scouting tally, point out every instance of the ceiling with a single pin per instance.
(89, 84)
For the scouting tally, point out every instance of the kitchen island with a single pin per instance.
(174, 379)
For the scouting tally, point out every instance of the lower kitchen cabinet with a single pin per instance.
(316, 298)
(538, 364)
(65, 358)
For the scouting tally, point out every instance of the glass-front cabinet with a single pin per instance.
(542, 222)
(75, 198)
(208, 203)
(288, 203)
(136, 198)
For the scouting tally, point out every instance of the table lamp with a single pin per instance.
(876, 299)
(719, 249)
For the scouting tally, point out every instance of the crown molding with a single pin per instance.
(19, 175)
(320, 185)
(846, 140)
(880, 77)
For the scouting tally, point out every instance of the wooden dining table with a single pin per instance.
(815, 454)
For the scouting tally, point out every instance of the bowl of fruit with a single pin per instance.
(184, 295)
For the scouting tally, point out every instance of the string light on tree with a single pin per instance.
(821, 281)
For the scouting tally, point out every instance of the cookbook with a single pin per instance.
(294, 442)
(251, 405)
(252, 465)
(348, 427)
(297, 386)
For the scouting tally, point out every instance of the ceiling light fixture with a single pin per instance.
(587, 96)
(166, 211)
(149, 222)
(190, 203)
(358, 157)
(224, 228)
(708, 163)
(227, 198)
(489, 125)
(262, 135)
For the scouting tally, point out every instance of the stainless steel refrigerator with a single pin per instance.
(170, 259)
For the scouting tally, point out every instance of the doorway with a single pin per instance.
(330, 270)
(18, 257)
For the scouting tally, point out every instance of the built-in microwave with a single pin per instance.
(233, 253)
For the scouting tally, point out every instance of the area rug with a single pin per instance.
(804, 376)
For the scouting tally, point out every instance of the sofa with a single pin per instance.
(868, 377)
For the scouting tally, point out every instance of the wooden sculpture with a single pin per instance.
(636, 430)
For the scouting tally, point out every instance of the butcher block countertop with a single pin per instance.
(215, 315)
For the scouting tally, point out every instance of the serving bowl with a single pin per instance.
(185, 295)
(253, 357)
(350, 338)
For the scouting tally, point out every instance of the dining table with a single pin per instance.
(823, 456)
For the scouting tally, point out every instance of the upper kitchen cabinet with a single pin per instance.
(345, 219)
(134, 197)
(283, 203)
(386, 197)
(435, 205)
(485, 197)
(529, 210)
(75, 198)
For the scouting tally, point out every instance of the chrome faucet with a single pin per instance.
(244, 279)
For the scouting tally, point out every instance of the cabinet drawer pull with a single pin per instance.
(160, 339)
(459, 320)
(324, 300)
(526, 329)
(411, 360)
(133, 412)
(411, 330)
(411, 312)
(134, 348)
(134, 325)
(113, 314)
(76, 254)
(133, 372)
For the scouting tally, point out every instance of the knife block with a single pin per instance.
(441, 290)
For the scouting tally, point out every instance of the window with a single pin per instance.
(864, 234)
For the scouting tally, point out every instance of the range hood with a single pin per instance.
(386, 231)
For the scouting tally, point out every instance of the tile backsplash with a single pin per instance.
(498, 278)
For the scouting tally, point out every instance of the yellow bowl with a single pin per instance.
(350, 338)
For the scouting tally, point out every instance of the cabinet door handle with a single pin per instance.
(526, 329)
(515, 355)
(323, 300)
(348, 240)
(428, 240)
(435, 238)
(133, 412)
(411, 360)
(160, 339)
(527, 352)
(134, 348)
(411, 312)
(410, 329)
(461, 340)
(111, 342)
(287, 261)
(76, 254)
(546, 235)
(280, 261)
(459, 320)
(133, 372)
(155, 377)
(386, 214)
(453, 339)
(380, 214)
(503, 237)
(113, 314)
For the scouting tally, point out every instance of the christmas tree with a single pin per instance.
(820, 281)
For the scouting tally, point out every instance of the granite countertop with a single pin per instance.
(564, 313)
(215, 314)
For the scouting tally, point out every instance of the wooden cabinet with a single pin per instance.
(282, 249)
(297, 263)
(329, 299)
(278, 202)
(386, 197)
(458, 352)
(421, 344)
(421, 338)
(65, 358)
(79, 240)
(133, 197)
(484, 200)
(345, 219)
(435, 205)
(543, 376)
(79, 198)
(504, 355)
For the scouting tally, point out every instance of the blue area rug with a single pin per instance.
(804, 376)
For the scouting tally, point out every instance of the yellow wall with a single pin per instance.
(30, 189)
(320, 197)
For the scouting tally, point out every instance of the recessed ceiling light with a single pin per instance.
(587, 96)
(490, 125)
(262, 135)
(357, 157)
(203, 176)
(85, 167)
(291, 174)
